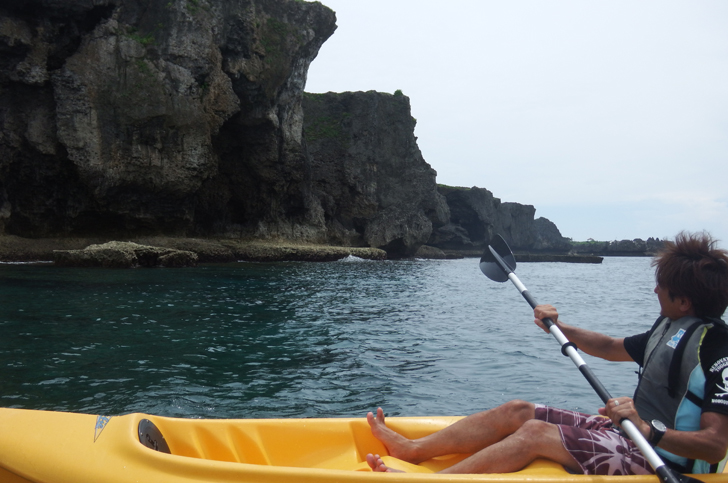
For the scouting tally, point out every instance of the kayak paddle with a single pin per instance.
(498, 264)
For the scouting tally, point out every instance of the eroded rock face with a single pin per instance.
(131, 118)
(374, 185)
(156, 116)
(476, 216)
(548, 237)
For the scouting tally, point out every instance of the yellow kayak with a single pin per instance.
(54, 447)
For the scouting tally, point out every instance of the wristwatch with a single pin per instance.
(657, 431)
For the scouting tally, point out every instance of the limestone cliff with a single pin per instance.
(132, 118)
(476, 216)
(122, 117)
(375, 188)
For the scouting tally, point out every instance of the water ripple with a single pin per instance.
(306, 339)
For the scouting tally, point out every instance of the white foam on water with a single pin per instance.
(353, 259)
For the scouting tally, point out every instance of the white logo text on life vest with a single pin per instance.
(676, 338)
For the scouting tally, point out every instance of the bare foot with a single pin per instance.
(377, 465)
(396, 444)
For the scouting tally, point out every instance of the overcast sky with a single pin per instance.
(610, 117)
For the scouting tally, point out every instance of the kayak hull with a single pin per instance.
(55, 447)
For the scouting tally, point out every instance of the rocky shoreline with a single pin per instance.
(17, 249)
(177, 252)
(522, 257)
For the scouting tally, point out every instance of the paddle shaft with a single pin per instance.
(567, 348)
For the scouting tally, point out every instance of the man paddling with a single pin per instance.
(680, 405)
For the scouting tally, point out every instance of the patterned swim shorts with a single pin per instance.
(595, 443)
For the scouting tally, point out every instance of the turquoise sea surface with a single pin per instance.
(273, 340)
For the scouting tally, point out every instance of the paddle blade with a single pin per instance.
(491, 267)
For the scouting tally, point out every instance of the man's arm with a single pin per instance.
(593, 343)
(709, 443)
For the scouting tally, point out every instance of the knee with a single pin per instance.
(534, 429)
(521, 409)
(513, 414)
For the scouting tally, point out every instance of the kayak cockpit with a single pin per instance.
(303, 443)
(336, 443)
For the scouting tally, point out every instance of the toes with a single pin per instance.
(377, 465)
(378, 420)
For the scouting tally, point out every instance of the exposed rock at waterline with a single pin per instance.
(619, 248)
(225, 250)
(426, 251)
(124, 255)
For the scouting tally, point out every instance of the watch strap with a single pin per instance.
(655, 436)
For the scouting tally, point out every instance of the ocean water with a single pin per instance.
(275, 340)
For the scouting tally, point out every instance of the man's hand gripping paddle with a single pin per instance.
(498, 264)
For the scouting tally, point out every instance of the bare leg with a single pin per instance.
(469, 435)
(535, 439)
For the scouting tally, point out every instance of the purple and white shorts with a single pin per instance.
(595, 443)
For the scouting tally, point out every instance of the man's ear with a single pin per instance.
(686, 305)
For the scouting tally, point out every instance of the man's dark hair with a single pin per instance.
(693, 267)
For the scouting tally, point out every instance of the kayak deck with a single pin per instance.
(54, 447)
